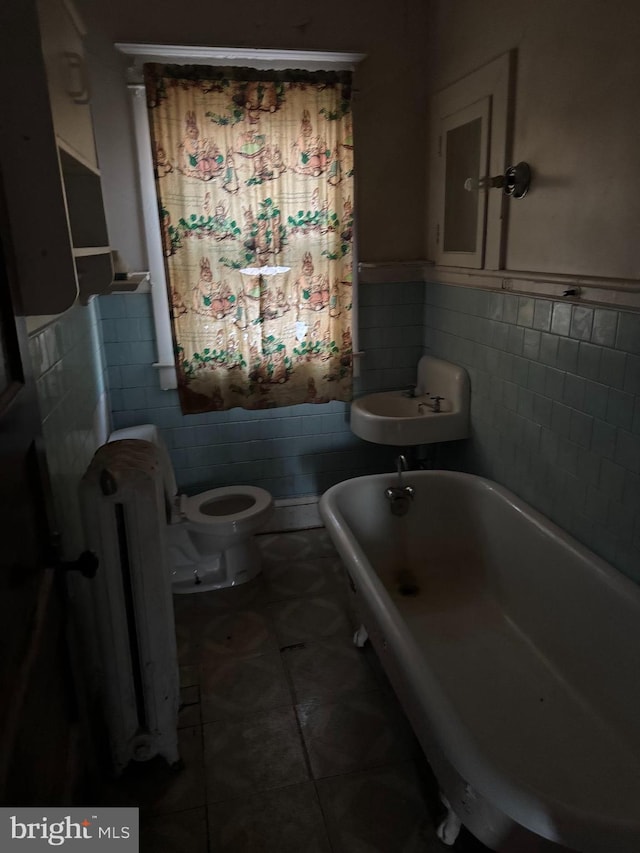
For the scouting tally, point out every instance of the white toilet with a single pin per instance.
(211, 534)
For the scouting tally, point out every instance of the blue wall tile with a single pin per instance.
(510, 309)
(628, 335)
(71, 378)
(589, 357)
(571, 444)
(605, 325)
(613, 365)
(542, 315)
(567, 355)
(555, 405)
(620, 409)
(581, 323)
(561, 318)
(632, 375)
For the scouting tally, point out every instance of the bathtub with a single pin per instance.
(514, 651)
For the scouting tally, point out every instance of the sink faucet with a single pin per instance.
(434, 405)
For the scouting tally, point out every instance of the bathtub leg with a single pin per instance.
(360, 637)
(449, 827)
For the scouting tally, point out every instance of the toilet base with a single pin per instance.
(234, 566)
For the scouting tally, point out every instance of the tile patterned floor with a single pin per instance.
(290, 737)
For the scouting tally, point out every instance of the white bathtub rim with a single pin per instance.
(518, 800)
(614, 578)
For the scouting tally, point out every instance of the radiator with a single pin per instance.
(129, 603)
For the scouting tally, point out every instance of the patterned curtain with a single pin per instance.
(254, 176)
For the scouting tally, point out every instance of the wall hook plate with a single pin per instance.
(517, 180)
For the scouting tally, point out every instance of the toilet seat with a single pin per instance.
(194, 508)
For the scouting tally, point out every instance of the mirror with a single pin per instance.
(461, 205)
(464, 136)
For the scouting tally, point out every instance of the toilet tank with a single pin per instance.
(150, 432)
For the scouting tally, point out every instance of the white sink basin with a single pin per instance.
(392, 417)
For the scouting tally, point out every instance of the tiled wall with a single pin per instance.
(555, 407)
(291, 451)
(68, 363)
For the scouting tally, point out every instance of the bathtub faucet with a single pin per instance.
(400, 496)
(401, 465)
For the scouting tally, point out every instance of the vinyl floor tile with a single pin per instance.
(293, 578)
(246, 596)
(354, 733)
(378, 811)
(189, 713)
(303, 619)
(328, 669)
(296, 545)
(246, 655)
(159, 789)
(186, 643)
(253, 754)
(184, 607)
(237, 687)
(384, 685)
(182, 832)
(235, 633)
(189, 675)
(286, 820)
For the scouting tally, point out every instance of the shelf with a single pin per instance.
(83, 192)
(88, 251)
(128, 282)
(87, 224)
(76, 162)
(95, 274)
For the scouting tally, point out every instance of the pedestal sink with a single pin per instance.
(397, 418)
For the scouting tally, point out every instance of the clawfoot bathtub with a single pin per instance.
(514, 651)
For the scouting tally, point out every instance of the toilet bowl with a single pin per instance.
(210, 534)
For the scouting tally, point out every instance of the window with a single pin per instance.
(256, 231)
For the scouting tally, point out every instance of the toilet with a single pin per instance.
(210, 535)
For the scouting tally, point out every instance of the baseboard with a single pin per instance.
(294, 514)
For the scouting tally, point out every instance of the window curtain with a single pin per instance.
(254, 176)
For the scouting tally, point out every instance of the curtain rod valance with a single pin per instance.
(247, 74)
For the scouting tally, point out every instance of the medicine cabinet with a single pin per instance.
(91, 271)
(470, 122)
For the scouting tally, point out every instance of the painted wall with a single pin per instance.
(578, 72)
(68, 363)
(389, 115)
(555, 407)
(291, 451)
